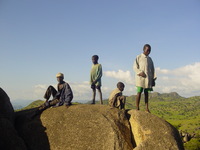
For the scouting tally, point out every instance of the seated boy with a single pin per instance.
(116, 99)
(64, 95)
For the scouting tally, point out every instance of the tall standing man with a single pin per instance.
(144, 75)
(95, 78)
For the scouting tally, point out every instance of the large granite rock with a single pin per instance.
(79, 127)
(153, 133)
(6, 108)
(96, 127)
(9, 139)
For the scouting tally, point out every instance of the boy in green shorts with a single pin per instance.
(95, 78)
(144, 75)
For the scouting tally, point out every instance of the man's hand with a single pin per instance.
(142, 74)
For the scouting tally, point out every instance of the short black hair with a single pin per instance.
(120, 84)
(147, 45)
(95, 56)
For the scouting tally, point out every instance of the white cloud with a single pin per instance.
(120, 75)
(184, 80)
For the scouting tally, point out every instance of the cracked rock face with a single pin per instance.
(151, 132)
(79, 127)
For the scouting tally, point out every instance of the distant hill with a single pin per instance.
(34, 104)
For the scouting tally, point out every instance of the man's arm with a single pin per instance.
(68, 94)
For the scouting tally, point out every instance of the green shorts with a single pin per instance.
(140, 89)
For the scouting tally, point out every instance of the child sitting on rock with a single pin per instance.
(116, 99)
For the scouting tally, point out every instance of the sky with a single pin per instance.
(39, 38)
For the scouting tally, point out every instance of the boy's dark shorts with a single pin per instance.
(95, 86)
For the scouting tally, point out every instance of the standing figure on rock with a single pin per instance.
(144, 75)
(116, 99)
(95, 78)
(63, 95)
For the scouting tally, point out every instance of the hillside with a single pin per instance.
(32, 105)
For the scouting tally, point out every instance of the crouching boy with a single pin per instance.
(116, 99)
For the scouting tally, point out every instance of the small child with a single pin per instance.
(95, 78)
(116, 99)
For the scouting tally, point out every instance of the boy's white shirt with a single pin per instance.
(144, 64)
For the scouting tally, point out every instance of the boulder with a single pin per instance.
(153, 133)
(79, 127)
(6, 108)
(9, 139)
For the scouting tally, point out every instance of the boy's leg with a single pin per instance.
(139, 92)
(122, 102)
(53, 102)
(100, 95)
(138, 100)
(93, 94)
(50, 91)
(146, 99)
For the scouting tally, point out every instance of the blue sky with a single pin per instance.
(40, 38)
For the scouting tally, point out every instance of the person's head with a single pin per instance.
(120, 86)
(60, 77)
(147, 49)
(95, 59)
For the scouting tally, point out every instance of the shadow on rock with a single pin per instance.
(31, 130)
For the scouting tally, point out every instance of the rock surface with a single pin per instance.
(6, 108)
(79, 127)
(153, 133)
(9, 139)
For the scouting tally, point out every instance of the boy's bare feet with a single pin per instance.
(147, 111)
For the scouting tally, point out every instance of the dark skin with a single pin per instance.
(121, 88)
(94, 87)
(146, 52)
(60, 82)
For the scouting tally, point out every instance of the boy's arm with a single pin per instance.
(68, 94)
(115, 99)
(136, 68)
(99, 74)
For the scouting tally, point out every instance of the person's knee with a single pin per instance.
(98, 88)
(50, 87)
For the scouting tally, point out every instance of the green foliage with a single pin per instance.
(193, 144)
